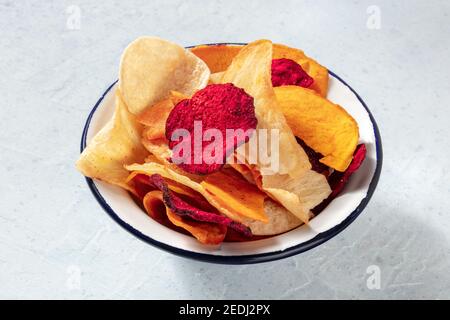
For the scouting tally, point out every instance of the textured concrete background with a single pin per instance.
(55, 240)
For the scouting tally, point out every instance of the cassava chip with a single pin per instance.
(115, 145)
(324, 126)
(204, 232)
(151, 67)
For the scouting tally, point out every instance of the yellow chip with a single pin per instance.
(324, 126)
(151, 67)
(116, 145)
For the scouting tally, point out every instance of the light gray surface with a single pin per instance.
(56, 241)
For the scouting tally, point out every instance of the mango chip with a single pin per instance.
(151, 67)
(115, 145)
(234, 192)
(204, 232)
(324, 126)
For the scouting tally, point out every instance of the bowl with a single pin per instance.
(341, 212)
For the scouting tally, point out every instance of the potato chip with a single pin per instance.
(318, 72)
(151, 67)
(115, 145)
(324, 126)
(206, 233)
(250, 70)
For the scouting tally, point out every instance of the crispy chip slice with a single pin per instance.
(115, 145)
(324, 126)
(234, 192)
(250, 70)
(206, 233)
(155, 116)
(279, 219)
(151, 67)
(217, 57)
(318, 72)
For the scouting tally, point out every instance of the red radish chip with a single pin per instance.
(204, 130)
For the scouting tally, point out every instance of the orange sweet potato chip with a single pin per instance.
(204, 232)
(154, 117)
(236, 193)
(217, 57)
(324, 126)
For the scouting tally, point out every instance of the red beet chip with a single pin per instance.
(314, 159)
(287, 72)
(182, 208)
(338, 180)
(217, 106)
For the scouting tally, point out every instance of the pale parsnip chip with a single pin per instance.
(151, 67)
(295, 185)
(115, 145)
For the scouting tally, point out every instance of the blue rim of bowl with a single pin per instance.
(254, 258)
